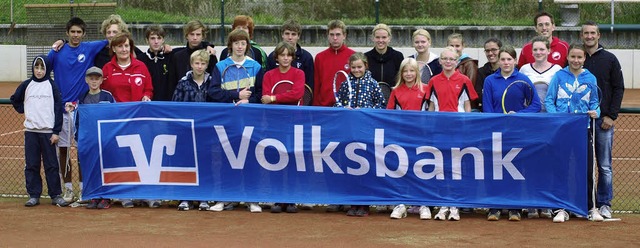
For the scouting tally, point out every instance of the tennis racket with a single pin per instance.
(386, 89)
(283, 86)
(541, 88)
(425, 72)
(236, 77)
(307, 98)
(518, 95)
(337, 83)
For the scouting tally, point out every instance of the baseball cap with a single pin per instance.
(94, 71)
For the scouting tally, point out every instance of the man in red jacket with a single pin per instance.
(545, 26)
(330, 61)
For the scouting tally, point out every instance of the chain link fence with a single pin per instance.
(626, 159)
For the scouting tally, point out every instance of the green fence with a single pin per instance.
(626, 158)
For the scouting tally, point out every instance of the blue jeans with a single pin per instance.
(604, 143)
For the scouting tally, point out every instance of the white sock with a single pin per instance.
(68, 186)
(80, 184)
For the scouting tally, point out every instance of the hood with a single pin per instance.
(47, 67)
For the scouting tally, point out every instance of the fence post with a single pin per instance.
(539, 5)
(377, 12)
(222, 22)
(71, 9)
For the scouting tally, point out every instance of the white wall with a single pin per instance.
(13, 67)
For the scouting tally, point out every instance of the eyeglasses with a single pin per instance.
(448, 59)
(492, 50)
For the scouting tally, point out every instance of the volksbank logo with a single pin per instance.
(145, 151)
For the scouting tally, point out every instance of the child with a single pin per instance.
(193, 88)
(360, 91)
(466, 65)
(93, 76)
(574, 90)
(450, 91)
(40, 101)
(409, 93)
(427, 61)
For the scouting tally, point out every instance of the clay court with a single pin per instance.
(48, 225)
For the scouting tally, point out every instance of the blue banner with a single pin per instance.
(261, 153)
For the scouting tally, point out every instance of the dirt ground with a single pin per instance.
(51, 226)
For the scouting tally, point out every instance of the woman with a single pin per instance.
(427, 61)
(124, 76)
(541, 71)
(384, 61)
(491, 48)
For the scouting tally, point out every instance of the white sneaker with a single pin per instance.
(425, 213)
(454, 214)
(203, 206)
(594, 215)
(255, 208)
(605, 211)
(184, 206)
(219, 206)
(399, 212)
(561, 216)
(67, 194)
(442, 214)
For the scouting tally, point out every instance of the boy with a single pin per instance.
(157, 60)
(302, 59)
(38, 98)
(330, 61)
(93, 77)
(195, 32)
(243, 22)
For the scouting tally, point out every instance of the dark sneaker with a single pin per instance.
(127, 203)
(352, 211)
(514, 215)
(362, 212)
(104, 204)
(334, 208)
(32, 202)
(230, 206)
(58, 201)
(93, 204)
(276, 209)
(291, 208)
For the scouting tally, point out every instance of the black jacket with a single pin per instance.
(606, 67)
(384, 67)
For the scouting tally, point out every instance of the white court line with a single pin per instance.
(9, 133)
(627, 159)
(11, 146)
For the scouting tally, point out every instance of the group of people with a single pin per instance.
(113, 70)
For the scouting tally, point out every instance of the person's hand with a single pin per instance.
(167, 48)
(244, 94)
(54, 139)
(607, 123)
(266, 99)
(211, 50)
(69, 106)
(57, 45)
(593, 114)
(242, 102)
(146, 99)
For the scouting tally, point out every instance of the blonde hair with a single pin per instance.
(450, 49)
(337, 24)
(359, 56)
(114, 19)
(422, 32)
(408, 62)
(201, 54)
(381, 26)
(455, 36)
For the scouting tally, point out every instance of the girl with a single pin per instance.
(360, 91)
(494, 86)
(541, 71)
(384, 61)
(575, 90)
(409, 93)
(427, 61)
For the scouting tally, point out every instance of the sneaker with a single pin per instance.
(104, 204)
(594, 215)
(277, 208)
(93, 204)
(605, 211)
(230, 205)
(494, 215)
(219, 206)
(67, 195)
(454, 214)
(442, 214)
(306, 206)
(561, 216)
(291, 208)
(334, 208)
(546, 213)
(514, 215)
(399, 212)
(204, 206)
(255, 208)
(127, 203)
(81, 201)
(32, 202)
(466, 210)
(532, 213)
(425, 213)
(352, 211)
(414, 209)
(58, 201)
(383, 208)
(362, 212)
(153, 203)
(184, 206)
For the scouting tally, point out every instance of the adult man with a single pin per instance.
(330, 61)
(302, 60)
(606, 67)
(157, 61)
(69, 65)
(195, 32)
(545, 25)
